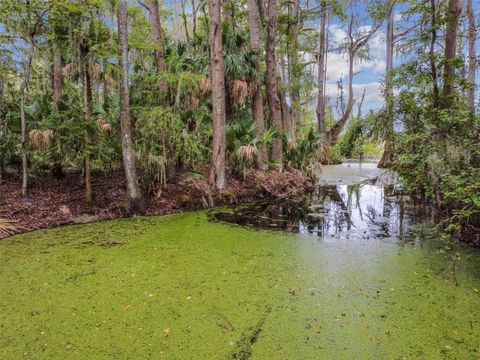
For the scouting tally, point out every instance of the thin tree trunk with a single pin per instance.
(272, 84)
(387, 157)
(57, 89)
(194, 18)
(455, 8)
(184, 17)
(57, 83)
(217, 69)
(23, 126)
(157, 38)
(433, 66)
(134, 193)
(105, 82)
(87, 108)
(472, 35)
(257, 96)
(320, 110)
(293, 72)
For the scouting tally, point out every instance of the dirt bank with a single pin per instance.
(54, 202)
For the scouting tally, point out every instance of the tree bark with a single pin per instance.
(134, 193)
(320, 110)
(433, 65)
(472, 36)
(185, 22)
(293, 72)
(272, 83)
(57, 81)
(455, 8)
(157, 38)
(257, 96)
(217, 70)
(87, 109)
(23, 126)
(387, 157)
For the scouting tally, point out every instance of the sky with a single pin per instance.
(371, 73)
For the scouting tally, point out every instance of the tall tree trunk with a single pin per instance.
(455, 8)
(320, 110)
(387, 157)
(185, 22)
(134, 193)
(257, 96)
(57, 82)
(217, 70)
(23, 124)
(194, 18)
(293, 72)
(87, 109)
(57, 89)
(433, 65)
(157, 38)
(272, 83)
(472, 36)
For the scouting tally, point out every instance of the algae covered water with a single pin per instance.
(339, 275)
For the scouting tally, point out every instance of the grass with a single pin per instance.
(180, 287)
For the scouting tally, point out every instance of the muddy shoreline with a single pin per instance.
(56, 202)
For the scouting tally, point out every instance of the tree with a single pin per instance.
(472, 36)
(355, 41)
(272, 81)
(322, 53)
(217, 75)
(134, 193)
(387, 156)
(294, 70)
(455, 8)
(157, 37)
(24, 22)
(257, 96)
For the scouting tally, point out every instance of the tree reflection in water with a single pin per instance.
(362, 211)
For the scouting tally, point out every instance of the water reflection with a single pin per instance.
(362, 211)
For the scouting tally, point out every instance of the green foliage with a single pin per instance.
(159, 132)
(304, 152)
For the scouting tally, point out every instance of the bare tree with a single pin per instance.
(257, 96)
(272, 82)
(134, 193)
(472, 36)
(354, 43)
(217, 74)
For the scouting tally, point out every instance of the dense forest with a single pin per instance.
(239, 179)
(217, 88)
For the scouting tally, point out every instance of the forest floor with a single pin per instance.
(54, 202)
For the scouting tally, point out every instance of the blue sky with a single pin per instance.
(370, 73)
